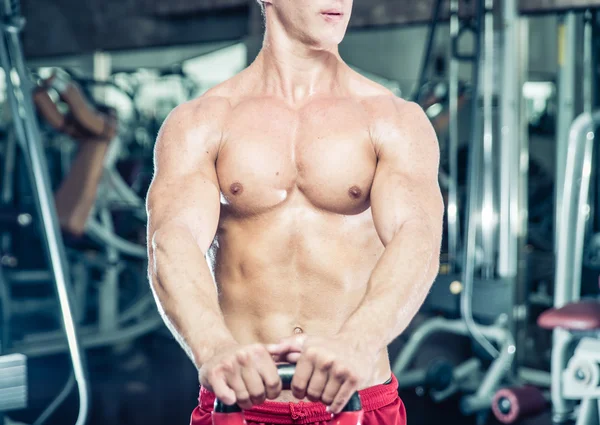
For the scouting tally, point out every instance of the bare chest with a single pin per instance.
(322, 152)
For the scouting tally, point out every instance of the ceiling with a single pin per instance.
(66, 27)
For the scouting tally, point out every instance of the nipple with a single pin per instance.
(298, 330)
(355, 192)
(236, 188)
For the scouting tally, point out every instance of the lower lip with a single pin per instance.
(332, 18)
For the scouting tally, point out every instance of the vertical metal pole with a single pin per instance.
(472, 215)
(509, 142)
(8, 169)
(488, 209)
(452, 208)
(567, 46)
(109, 289)
(513, 146)
(102, 63)
(108, 309)
(588, 66)
(588, 104)
(426, 60)
(519, 208)
(8, 172)
(582, 215)
(20, 100)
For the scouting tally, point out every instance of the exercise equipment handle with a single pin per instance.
(233, 415)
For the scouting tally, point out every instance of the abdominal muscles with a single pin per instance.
(292, 271)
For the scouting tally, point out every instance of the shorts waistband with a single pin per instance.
(284, 413)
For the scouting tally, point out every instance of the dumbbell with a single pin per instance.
(223, 414)
(511, 405)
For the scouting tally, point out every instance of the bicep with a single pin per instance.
(398, 199)
(405, 189)
(184, 192)
(189, 202)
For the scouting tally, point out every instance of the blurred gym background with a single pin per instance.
(510, 330)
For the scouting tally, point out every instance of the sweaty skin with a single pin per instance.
(318, 211)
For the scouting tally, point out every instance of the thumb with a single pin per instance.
(293, 357)
(286, 345)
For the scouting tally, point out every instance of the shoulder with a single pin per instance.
(390, 109)
(205, 110)
(210, 109)
(383, 107)
(398, 122)
(193, 123)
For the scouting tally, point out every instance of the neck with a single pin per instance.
(294, 70)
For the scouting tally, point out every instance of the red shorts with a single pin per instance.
(381, 406)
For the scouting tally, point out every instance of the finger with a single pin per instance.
(222, 391)
(348, 388)
(334, 383)
(294, 343)
(249, 358)
(236, 383)
(267, 370)
(292, 357)
(281, 357)
(254, 384)
(316, 385)
(286, 357)
(320, 376)
(304, 370)
(284, 347)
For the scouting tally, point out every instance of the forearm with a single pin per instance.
(186, 295)
(397, 288)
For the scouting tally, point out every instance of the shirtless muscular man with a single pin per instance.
(313, 194)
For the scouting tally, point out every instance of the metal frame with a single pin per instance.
(52, 343)
(569, 254)
(13, 383)
(482, 205)
(108, 313)
(567, 48)
(514, 165)
(584, 363)
(8, 171)
(588, 64)
(427, 52)
(588, 99)
(473, 212)
(482, 399)
(489, 215)
(509, 142)
(25, 124)
(453, 142)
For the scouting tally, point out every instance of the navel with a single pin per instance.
(236, 188)
(355, 192)
(298, 330)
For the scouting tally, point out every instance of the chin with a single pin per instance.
(328, 41)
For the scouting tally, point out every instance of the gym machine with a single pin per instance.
(112, 253)
(28, 137)
(575, 366)
(483, 282)
(575, 322)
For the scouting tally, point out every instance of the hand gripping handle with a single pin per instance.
(233, 415)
